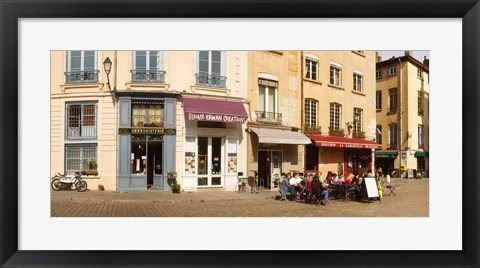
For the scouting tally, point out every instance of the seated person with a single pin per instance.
(284, 187)
(349, 179)
(293, 184)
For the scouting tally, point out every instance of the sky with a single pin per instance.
(418, 54)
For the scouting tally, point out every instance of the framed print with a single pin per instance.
(96, 65)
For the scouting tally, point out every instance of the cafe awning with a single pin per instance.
(421, 153)
(329, 141)
(278, 136)
(200, 109)
(386, 154)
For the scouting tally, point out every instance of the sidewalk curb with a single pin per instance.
(166, 201)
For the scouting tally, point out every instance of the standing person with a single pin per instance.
(293, 184)
(379, 170)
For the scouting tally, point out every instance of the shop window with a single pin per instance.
(147, 114)
(209, 124)
(232, 156)
(190, 156)
(80, 157)
(81, 67)
(81, 121)
(138, 157)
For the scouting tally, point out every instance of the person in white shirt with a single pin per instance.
(294, 183)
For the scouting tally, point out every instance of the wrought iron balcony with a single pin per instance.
(268, 117)
(392, 146)
(210, 80)
(336, 132)
(312, 129)
(151, 76)
(358, 134)
(81, 77)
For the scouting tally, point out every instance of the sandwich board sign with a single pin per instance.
(369, 188)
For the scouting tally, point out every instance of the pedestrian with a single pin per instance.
(293, 184)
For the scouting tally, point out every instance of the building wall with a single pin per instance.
(61, 94)
(326, 93)
(410, 85)
(284, 66)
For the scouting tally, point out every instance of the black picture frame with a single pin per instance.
(11, 11)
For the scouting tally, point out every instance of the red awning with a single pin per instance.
(329, 141)
(214, 110)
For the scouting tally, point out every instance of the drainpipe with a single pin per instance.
(302, 107)
(400, 115)
(115, 107)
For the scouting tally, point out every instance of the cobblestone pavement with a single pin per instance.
(411, 200)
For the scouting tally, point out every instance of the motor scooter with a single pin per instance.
(60, 181)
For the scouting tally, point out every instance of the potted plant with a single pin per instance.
(176, 188)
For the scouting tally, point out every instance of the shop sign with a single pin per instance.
(345, 145)
(149, 131)
(215, 118)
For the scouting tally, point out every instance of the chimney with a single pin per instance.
(379, 59)
(426, 61)
(408, 53)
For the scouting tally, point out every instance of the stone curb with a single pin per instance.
(166, 201)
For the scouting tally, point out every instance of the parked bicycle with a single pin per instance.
(60, 181)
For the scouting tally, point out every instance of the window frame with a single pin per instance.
(83, 161)
(393, 92)
(394, 68)
(311, 115)
(378, 134)
(378, 74)
(82, 60)
(420, 136)
(334, 106)
(333, 80)
(393, 134)
(419, 73)
(266, 103)
(421, 106)
(222, 62)
(309, 63)
(378, 100)
(358, 82)
(357, 124)
(81, 120)
(147, 60)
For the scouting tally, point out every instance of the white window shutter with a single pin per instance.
(223, 64)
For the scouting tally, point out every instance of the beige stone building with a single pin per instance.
(275, 142)
(402, 105)
(338, 110)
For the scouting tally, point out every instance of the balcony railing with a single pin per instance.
(81, 77)
(336, 132)
(268, 117)
(150, 76)
(210, 80)
(151, 121)
(312, 129)
(358, 134)
(392, 146)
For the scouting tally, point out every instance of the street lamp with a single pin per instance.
(107, 66)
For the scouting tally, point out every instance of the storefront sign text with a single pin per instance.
(215, 118)
(150, 131)
(345, 145)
